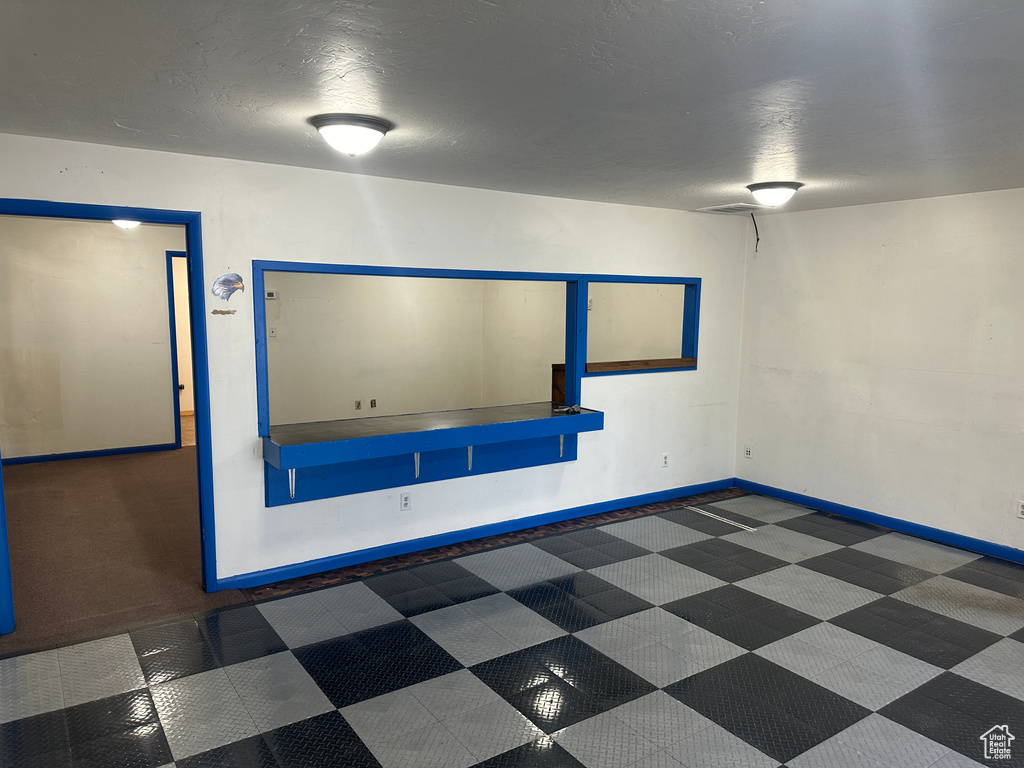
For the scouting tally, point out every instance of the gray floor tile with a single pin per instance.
(30, 685)
(612, 638)
(301, 620)
(660, 759)
(762, 508)
(604, 741)
(628, 572)
(276, 690)
(492, 729)
(833, 753)
(867, 688)
(836, 640)
(465, 637)
(387, 717)
(657, 579)
(654, 533)
(791, 546)
(658, 624)
(519, 625)
(891, 744)
(99, 668)
(1000, 666)
(357, 607)
(955, 760)
(800, 657)
(429, 747)
(452, 694)
(516, 566)
(919, 553)
(816, 594)
(715, 747)
(968, 603)
(658, 664)
(661, 719)
(704, 647)
(201, 712)
(896, 665)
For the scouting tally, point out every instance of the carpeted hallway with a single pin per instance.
(102, 544)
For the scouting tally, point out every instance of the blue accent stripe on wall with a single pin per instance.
(903, 526)
(271, 575)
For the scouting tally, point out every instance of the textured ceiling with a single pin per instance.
(668, 103)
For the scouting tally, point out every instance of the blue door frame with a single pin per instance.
(191, 220)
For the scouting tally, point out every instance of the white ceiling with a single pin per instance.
(668, 103)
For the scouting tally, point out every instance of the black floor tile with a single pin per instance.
(998, 567)
(110, 715)
(389, 584)
(561, 682)
(345, 670)
(542, 753)
(325, 741)
(587, 557)
(907, 574)
(465, 589)
(580, 584)
(155, 638)
(795, 716)
(245, 646)
(23, 740)
(231, 621)
(142, 747)
(605, 549)
(830, 565)
(418, 601)
(956, 712)
(617, 603)
(724, 560)
(987, 578)
(741, 617)
(179, 661)
(438, 573)
(698, 522)
(557, 545)
(248, 753)
(832, 528)
(1018, 635)
(690, 554)
(876, 582)
(592, 537)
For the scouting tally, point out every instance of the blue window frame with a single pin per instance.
(331, 464)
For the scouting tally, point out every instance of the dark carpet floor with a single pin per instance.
(102, 544)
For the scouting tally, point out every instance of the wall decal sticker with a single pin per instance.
(225, 285)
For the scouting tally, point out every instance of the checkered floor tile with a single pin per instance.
(760, 634)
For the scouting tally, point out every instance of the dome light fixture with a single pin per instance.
(351, 134)
(125, 223)
(773, 193)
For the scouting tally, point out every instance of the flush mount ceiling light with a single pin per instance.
(351, 134)
(125, 223)
(774, 193)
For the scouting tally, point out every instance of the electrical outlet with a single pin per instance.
(748, 451)
(406, 502)
(373, 403)
(664, 460)
(1020, 509)
(590, 304)
(359, 405)
(272, 333)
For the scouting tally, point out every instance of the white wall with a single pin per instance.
(634, 321)
(85, 360)
(883, 360)
(262, 211)
(183, 331)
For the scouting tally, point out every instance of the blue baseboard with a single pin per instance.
(91, 454)
(903, 526)
(271, 575)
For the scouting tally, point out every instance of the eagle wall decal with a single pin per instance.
(225, 285)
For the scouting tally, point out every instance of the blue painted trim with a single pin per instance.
(192, 221)
(638, 370)
(576, 293)
(408, 443)
(643, 279)
(896, 524)
(259, 306)
(6, 587)
(271, 575)
(176, 395)
(691, 319)
(89, 454)
(360, 269)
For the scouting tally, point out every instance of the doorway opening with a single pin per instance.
(96, 477)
